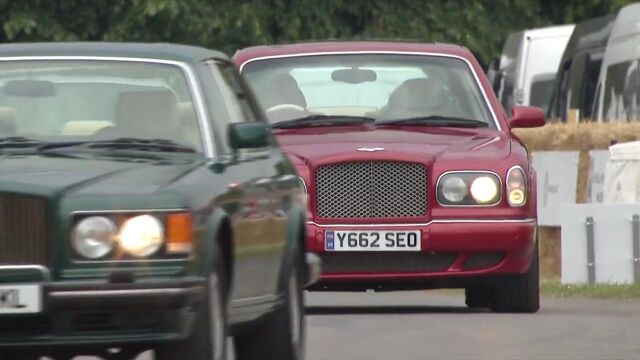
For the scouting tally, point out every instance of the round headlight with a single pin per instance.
(142, 235)
(93, 237)
(484, 189)
(454, 189)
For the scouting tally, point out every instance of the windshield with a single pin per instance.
(377, 86)
(66, 101)
(622, 92)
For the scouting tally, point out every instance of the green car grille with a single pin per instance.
(23, 230)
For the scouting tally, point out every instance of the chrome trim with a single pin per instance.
(470, 172)
(133, 212)
(45, 271)
(194, 88)
(444, 221)
(497, 138)
(304, 184)
(475, 75)
(526, 185)
(79, 294)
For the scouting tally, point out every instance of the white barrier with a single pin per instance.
(595, 179)
(600, 243)
(557, 177)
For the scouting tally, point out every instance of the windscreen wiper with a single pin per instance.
(163, 145)
(436, 120)
(323, 120)
(18, 142)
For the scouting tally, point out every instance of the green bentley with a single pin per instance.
(144, 205)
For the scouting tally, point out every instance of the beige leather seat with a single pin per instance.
(419, 97)
(144, 114)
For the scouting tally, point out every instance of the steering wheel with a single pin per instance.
(286, 107)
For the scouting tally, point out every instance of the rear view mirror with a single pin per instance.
(248, 135)
(353, 76)
(526, 117)
(29, 88)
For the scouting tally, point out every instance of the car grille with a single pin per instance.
(371, 189)
(386, 262)
(23, 230)
(482, 260)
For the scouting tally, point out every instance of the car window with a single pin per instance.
(622, 92)
(541, 92)
(380, 86)
(236, 105)
(61, 100)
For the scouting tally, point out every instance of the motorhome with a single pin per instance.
(528, 65)
(618, 90)
(577, 76)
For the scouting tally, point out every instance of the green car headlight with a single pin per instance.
(468, 188)
(94, 237)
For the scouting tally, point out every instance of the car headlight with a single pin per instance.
(122, 237)
(142, 235)
(454, 189)
(94, 237)
(484, 189)
(469, 189)
(516, 187)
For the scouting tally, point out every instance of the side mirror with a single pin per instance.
(248, 135)
(526, 117)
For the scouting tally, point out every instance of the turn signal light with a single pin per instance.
(516, 187)
(179, 233)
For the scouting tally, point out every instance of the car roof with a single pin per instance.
(161, 51)
(301, 48)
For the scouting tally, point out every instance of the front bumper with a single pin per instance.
(106, 314)
(454, 243)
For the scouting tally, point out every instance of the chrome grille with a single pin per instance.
(371, 189)
(22, 230)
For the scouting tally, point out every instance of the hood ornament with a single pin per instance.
(370, 149)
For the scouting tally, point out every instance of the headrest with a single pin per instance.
(420, 94)
(287, 92)
(150, 109)
(8, 121)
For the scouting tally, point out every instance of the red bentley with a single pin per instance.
(413, 176)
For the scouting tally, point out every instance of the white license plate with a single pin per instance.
(372, 240)
(20, 299)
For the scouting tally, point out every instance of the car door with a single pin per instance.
(259, 237)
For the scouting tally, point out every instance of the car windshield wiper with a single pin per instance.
(436, 120)
(323, 120)
(164, 145)
(18, 142)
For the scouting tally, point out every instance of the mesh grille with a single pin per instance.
(22, 230)
(371, 189)
(482, 260)
(386, 262)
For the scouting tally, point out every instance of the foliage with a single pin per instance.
(230, 24)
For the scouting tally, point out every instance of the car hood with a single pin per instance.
(429, 143)
(58, 176)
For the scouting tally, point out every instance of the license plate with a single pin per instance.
(20, 299)
(372, 240)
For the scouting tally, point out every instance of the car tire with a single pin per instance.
(477, 297)
(208, 338)
(281, 337)
(520, 294)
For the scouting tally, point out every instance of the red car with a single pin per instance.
(413, 176)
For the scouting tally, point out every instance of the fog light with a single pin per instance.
(142, 236)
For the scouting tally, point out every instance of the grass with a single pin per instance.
(553, 288)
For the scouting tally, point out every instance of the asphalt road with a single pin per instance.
(433, 325)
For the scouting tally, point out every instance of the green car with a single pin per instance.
(144, 205)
